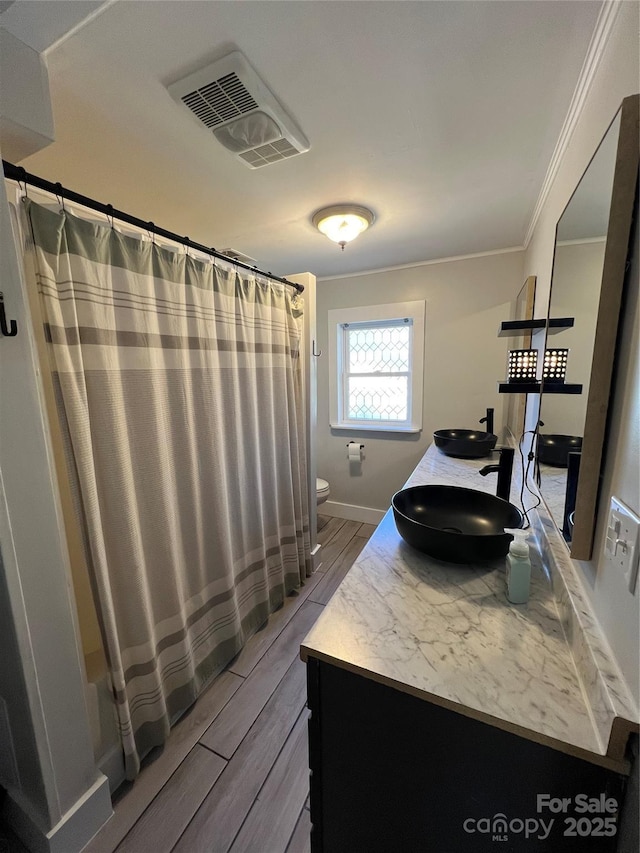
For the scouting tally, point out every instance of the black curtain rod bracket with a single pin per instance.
(18, 173)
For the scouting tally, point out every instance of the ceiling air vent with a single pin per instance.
(231, 100)
(235, 255)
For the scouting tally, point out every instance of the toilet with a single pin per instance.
(322, 491)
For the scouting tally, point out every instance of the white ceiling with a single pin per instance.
(441, 117)
(42, 23)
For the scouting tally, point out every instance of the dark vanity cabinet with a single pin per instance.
(393, 773)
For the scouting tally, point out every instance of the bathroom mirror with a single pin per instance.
(521, 309)
(590, 258)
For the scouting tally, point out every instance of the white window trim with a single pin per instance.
(370, 314)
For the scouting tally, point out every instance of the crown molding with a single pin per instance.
(604, 25)
(410, 265)
(582, 241)
(79, 26)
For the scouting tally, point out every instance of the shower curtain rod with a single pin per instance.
(18, 173)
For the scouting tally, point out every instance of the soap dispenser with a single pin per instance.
(518, 567)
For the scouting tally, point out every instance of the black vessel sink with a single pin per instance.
(454, 524)
(465, 443)
(555, 449)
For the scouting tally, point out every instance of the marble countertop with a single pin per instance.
(447, 633)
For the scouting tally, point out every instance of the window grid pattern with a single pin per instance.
(377, 358)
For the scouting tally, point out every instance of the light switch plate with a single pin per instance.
(621, 543)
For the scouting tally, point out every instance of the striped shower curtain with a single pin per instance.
(179, 390)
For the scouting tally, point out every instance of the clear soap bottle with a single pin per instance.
(518, 567)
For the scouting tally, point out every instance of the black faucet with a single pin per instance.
(504, 470)
(488, 419)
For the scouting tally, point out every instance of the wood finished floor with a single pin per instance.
(234, 775)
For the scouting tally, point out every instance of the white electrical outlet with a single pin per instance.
(621, 543)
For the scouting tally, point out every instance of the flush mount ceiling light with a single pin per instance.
(343, 222)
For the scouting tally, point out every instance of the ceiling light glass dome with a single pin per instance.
(343, 222)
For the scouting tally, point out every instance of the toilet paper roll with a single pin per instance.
(354, 451)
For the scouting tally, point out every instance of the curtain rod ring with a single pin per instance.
(60, 195)
(22, 178)
(109, 213)
(151, 228)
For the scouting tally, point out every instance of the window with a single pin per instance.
(375, 363)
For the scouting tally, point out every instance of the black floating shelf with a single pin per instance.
(559, 325)
(561, 388)
(512, 328)
(519, 387)
(535, 387)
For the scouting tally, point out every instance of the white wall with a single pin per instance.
(465, 302)
(308, 281)
(57, 797)
(617, 76)
(26, 120)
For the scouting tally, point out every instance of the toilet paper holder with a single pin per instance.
(354, 452)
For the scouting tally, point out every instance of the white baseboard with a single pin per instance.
(112, 765)
(315, 557)
(352, 512)
(73, 831)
